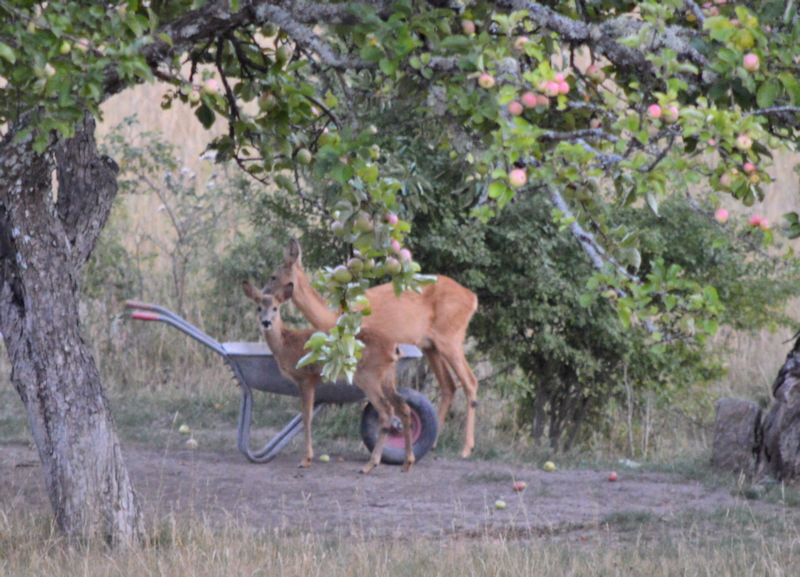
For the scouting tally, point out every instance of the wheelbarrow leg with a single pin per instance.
(273, 447)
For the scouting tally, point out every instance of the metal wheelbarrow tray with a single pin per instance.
(255, 368)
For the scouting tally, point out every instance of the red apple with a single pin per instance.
(654, 111)
(612, 476)
(342, 275)
(721, 216)
(355, 265)
(468, 27)
(528, 100)
(755, 220)
(515, 108)
(393, 265)
(363, 224)
(518, 177)
(670, 114)
(595, 74)
(751, 62)
(749, 168)
(550, 88)
(744, 142)
(486, 80)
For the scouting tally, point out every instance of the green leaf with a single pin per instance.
(767, 93)
(205, 115)
(388, 67)
(497, 189)
(791, 86)
(7, 53)
(652, 201)
(371, 53)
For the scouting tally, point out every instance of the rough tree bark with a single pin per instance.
(780, 450)
(46, 236)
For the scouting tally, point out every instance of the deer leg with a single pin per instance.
(447, 386)
(307, 409)
(384, 411)
(401, 408)
(454, 355)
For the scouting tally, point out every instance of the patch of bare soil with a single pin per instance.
(439, 497)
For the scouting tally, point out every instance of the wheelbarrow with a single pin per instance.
(255, 368)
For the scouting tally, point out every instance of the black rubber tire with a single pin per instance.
(423, 413)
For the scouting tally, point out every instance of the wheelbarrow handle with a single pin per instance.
(146, 316)
(132, 304)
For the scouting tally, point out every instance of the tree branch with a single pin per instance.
(596, 253)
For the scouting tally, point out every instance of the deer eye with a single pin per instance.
(258, 309)
(273, 278)
(274, 309)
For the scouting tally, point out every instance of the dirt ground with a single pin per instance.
(438, 498)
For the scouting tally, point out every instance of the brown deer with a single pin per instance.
(435, 320)
(375, 372)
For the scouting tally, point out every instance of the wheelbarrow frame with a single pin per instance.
(254, 367)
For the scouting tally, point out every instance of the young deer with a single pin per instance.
(435, 320)
(375, 373)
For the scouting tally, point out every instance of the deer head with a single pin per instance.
(268, 302)
(287, 272)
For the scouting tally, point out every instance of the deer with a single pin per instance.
(374, 375)
(434, 320)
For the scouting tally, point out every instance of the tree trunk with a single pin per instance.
(46, 236)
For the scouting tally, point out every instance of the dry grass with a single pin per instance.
(30, 548)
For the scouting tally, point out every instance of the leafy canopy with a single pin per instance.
(596, 105)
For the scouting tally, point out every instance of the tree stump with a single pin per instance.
(779, 456)
(737, 435)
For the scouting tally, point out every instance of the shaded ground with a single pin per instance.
(439, 497)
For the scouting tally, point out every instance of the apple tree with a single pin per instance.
(593, 104)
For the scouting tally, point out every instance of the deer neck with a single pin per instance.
(311, 304)
(275, 336)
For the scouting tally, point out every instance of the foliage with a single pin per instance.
(603, 107)
(572, 355)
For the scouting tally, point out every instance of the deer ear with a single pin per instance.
(293, 253)
(286, 291)
(252, 292)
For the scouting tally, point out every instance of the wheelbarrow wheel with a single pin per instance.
(424, 428)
